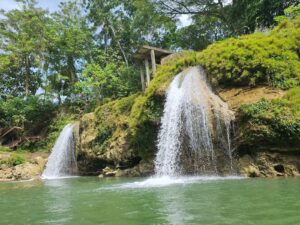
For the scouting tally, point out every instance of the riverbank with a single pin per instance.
(16, 166)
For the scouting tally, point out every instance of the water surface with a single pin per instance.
(86, 200)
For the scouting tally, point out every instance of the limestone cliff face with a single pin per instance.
(108, 142)
(260, 159)
(121, 135)
(235, 97)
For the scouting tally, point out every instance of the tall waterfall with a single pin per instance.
(194, 137)
(62, 160)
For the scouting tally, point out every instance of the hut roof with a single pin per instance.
(144, 52)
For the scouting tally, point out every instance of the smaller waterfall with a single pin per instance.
(62, 160)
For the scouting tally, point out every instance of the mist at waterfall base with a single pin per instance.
(62, 160)
(194, 138)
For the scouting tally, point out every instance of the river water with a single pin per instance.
(117, 201)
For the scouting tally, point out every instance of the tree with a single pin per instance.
(214, 20)
(124, 26)
(22, 37)
(107, 78)
(69, 43)
(246, 16)
(202, 32)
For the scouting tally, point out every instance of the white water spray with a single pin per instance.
(195, 127)
(62, 160)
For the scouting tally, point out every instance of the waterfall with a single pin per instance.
(195, 128)
(62, 160)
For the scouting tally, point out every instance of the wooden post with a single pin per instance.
(147, 72)
(153, 62)
(142, 79)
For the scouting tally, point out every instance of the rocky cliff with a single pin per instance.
(258, 75)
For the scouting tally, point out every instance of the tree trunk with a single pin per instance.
(27, 76)
(71, 69)
(119, 44)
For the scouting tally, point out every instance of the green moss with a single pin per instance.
(257, 58)
(275, 122)
(110, 119)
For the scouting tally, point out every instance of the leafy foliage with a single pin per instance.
(13, 160)
(22, 46)
(216, 20)
(111, 81)
(32, 113)
(271, 122)
(256, 58)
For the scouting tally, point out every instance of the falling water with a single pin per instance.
(62, 160)
(195, 129)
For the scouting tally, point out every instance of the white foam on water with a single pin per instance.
(163, 181)
(57, 178)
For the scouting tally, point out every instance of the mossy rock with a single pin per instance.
(258, 59)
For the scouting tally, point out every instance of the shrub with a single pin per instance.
(31, 113)
(272, 122)
(15, 160)
(256, 58)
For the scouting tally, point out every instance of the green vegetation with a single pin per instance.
(30, 114)
(13, 160)
(54, 67)
(257, 59)
(216, 20)
(275, 122)
(25, 121)
(111, 122)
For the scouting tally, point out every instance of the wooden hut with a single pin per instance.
(144, 56)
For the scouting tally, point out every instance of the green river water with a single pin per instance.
(198, 200)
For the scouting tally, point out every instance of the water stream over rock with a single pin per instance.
(195, 131)
(62, 160)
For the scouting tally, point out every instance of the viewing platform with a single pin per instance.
(144, 56)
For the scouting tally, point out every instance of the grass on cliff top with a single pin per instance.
(271, 59)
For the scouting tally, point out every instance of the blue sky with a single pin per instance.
(51, 5)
